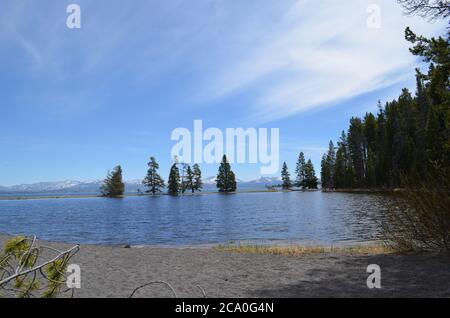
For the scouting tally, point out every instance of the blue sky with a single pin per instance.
(74, 103)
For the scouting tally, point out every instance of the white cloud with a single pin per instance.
(322, 53)
(291, 56)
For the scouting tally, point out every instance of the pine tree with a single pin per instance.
(197, 182)
(285, 177)
(188, 182)
(423, 106)
(340, 169)
(226, 179)
(383, 150)
(300, 171)
(410, 135)
(311, 180)
(345, 167)
(436, 52)
(324, 173)
(174, 183)
(370, 147)
(183, 175)
(357, 151)
(113, 185)
(153, 180)
(328, 168)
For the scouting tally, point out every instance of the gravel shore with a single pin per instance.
(116, 272)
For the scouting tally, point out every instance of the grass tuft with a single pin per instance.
(305, 250)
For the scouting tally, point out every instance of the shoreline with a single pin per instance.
(93, 196)
(131, 195)
(116, 271)
(277, 243)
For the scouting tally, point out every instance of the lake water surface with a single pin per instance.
(308, 217)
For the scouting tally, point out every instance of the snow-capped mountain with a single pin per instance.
(210, 180)
(257, 184)
(210, 183)
(267, 180)
(66, 187)
(44, 186)
(131, 186)
(260, 183)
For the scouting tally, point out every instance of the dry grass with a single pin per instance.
(305, 250)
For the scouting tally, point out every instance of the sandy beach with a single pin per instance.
(117, 271)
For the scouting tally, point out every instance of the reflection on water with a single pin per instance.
(321, 218)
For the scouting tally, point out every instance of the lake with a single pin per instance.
(294, 217)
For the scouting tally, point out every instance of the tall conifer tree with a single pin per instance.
(226, 179)
(197, 182)
(300, 171)
(153, 180)
(311, 181)
(174, 183)
(285, 177)
(113, 185)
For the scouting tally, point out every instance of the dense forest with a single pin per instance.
(408, 139)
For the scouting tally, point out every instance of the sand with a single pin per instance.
(117, 271)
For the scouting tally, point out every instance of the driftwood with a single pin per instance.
(166, 284)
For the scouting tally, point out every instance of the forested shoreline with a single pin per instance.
(407, 141)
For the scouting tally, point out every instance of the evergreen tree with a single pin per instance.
(197, 182)
(328, 168)
(174, 183)
(357, 151)
(340, 170)
(184, 183)
(370, 147)
(153, 180)
(408, 137)
(188, 182)
(423, 106)
(311, 179)
(349, 167)
(324, 173)
(383, 150)
(285, 177)
(226, 179)
(436, 52)
(300, 171)
(113, 185)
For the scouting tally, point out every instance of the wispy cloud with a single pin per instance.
(291, 56)
(30, 49)
(321, 53)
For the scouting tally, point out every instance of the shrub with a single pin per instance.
(418, 219)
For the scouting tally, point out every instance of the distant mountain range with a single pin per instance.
(132, 186)
(66, 187)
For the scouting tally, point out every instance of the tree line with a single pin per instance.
(409, 137)
(182, 178)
